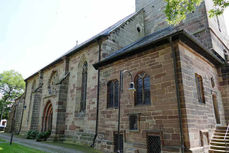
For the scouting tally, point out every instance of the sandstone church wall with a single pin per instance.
(199, 117)
(81, 125)
(158, 118)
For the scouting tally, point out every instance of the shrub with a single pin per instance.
(32, 134)
(43, 136)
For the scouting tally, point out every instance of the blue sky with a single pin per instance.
(33, 33)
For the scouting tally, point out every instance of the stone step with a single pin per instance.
(220, 133)
(219, 140)
(216, 151)
(218, 147)
(217, 143)
(221, 127)
(220, 136)
(221, 130)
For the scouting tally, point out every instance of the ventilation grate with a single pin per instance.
(153, 144)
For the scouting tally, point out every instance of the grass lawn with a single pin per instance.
(79, 147)
(16, 148)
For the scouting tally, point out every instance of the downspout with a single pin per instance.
(176, 76)
(23, 109)
(98, 88)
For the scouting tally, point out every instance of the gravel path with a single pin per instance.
(38, 145)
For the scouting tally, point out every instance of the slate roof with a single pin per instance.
(157, 38)
(104, 33)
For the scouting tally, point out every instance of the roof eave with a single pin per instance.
(182, 34)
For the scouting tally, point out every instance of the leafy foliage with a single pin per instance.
(43, 136)
(32, 134)
(11, 87)
(176, 10)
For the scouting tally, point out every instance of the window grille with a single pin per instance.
(116, 143)
(133, 122)
(153, 144)
(200, 88)
(112, 93)
(142, 94)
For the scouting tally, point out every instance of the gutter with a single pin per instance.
(98, 88)
(176, 76)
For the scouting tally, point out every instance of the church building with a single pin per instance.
(158, 88)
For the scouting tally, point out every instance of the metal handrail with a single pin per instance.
(225, 137)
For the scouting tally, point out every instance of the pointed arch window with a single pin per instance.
(112, 93)
(84, 87)
(142, 94)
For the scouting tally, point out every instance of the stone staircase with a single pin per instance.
(217, 144)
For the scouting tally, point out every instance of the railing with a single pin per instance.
(225, 138)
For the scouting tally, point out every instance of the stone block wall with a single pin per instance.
(32, 84)
(18, 114)
(224, 88)
(80, 126)
(127, 33)
(53, 96)
(197, 23)
(197, 116)
(160, 117)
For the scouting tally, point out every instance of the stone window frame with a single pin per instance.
(143, 75)
(200, 88)
(138, 122)
(83, 99)
(114, 84)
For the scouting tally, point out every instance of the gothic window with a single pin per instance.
(112, 93)
(142, 94)
(200, 88)
(52, 83)
(84, 88)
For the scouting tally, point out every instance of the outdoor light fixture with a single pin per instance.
(131, 88)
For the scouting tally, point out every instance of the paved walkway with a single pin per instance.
(38, 145)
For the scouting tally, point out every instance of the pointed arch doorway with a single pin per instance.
(47, 117)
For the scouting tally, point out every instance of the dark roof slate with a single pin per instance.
(104, 33)
(158, 36)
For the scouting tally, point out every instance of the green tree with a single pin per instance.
(11, 87)
(176, 10)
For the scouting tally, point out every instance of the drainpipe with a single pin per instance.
(22, 114)
(98, 88)
(176, 76)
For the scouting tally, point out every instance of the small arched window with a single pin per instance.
(142, 94)
(112, 93)
(84, 88)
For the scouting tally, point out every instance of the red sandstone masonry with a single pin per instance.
(160, 116)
